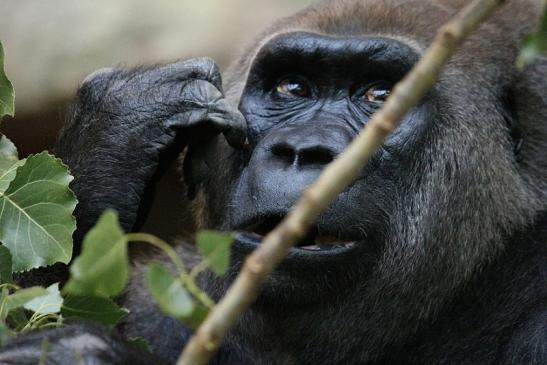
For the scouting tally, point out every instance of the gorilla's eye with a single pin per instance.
(378, 92)
(293, 86)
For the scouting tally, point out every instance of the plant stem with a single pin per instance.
(184, 276)
(9, 285)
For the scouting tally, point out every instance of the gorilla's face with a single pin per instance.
(436, 201)
(306, 97)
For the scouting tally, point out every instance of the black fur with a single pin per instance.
(450, 216)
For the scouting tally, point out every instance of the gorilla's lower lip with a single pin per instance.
(319, 240)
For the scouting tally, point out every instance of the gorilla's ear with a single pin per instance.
(195, 169)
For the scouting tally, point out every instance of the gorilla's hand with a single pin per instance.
(126, 125)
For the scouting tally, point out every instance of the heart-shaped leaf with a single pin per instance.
(94, 309)
(48, 304)
(23, 296)
(102, 269)
(36, 222)
(172, 298)
(215, 247)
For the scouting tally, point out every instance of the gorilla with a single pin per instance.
(436, 253)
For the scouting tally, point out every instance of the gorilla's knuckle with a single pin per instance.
(205, 68)
(199, 91)
(99, 78)
(202, 68)
(100, 75)
(97, 84)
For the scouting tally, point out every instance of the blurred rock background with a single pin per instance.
(51, 45)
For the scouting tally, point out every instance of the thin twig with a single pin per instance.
(334, 179)
(184, 276)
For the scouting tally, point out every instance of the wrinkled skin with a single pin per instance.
(436, 254)
(132, 123)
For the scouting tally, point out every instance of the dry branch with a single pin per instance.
(334, 179)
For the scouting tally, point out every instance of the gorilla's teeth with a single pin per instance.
(310, 248)
(326, 247)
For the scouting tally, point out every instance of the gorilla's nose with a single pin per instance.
(288, 160)
(307, 147)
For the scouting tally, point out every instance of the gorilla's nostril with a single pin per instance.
(304, 156)
(284, 152)
(315, 155)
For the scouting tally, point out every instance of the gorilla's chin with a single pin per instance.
(322, 249)
(309, 273)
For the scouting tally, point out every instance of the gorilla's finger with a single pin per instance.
(203, 68)
(231, 122)
(208, 113)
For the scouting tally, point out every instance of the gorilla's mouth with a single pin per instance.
(318, 238)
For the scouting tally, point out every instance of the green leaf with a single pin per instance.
(7, 176)
(140, 343)
(36, 222)
(8, 153)
(534, 44)
(4, 293)
(95, 309)
(102, 269)
(48, 304)
(5, 265)
(215, 247)
(23, 296)
(197, 317)
(9, 161)
(168, 292)
(4, 334)
(7, 97)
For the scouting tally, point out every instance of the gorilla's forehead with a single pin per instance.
(325, 47)
(332, 56)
